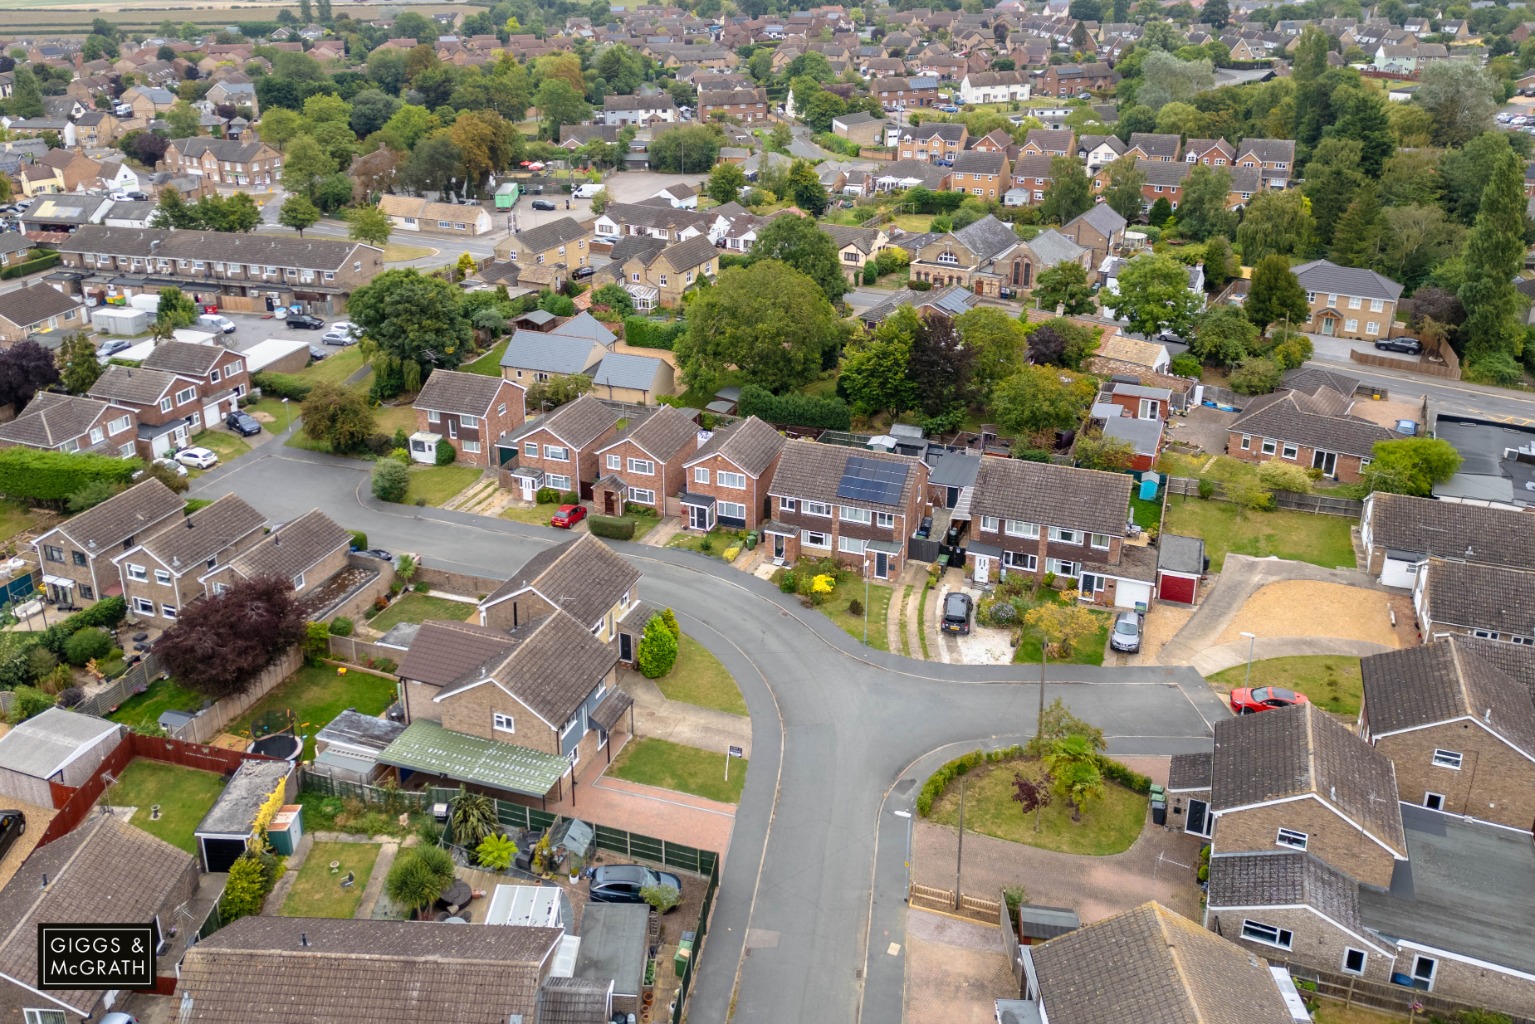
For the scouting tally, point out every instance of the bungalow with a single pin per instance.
(1319, 430)
(466, 410)
(1451, 595)
(412, 213)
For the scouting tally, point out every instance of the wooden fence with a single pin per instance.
(355, 650)
(1394, 999)
(1320, 504)
(946, 899)
(1448, 369)
(211, 721)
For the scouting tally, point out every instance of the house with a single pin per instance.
(1459, 731)
(306, 551)
(635, 379)
(146, 103)
(856, 247)
(657, 218)
(1346, 301)
(559, 242)
(980, 174)
(643, 465)
(1050, 142)
(1151, 355)
(109, 872)
(730, 475)
(994, 87)
(38, 179)
(412, 213)
(746, 105)
(974, 256)
(72, 423)
(951, 301)
(76, 555)
(35, 127)
(648, 109)
(167, 407)
(996, 141)
(1447, 600)
(1182, 972)
(1039, 518)
(582, 577)
(558, 450)
(905, 93)
(465, 409)
(534, 356)
(1296, 778)
(76, 170)
(224, 161)
(1100, 231)
(1067, 80)
(934, 141)
(235, 90)
(1210, 152)
(1274, 157)
(1098, 151)
(856, 506)
(1407, 58)
(1153, 148)
(681, 196)
(357, 971)
(1032, 175)
(221, 374)
(1316, 430)
(1400, 533)
(160, 573)
(657, 274)
(226, 831)
(37, 309)
(57, 746)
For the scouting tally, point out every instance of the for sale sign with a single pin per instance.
(96, 956)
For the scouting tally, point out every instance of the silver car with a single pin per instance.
(1127, 633)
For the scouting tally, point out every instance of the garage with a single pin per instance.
(56, 746)
(236, 815)
(1171, 587)
(1181, 563)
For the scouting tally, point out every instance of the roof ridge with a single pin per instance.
(1311, 750)
(1460, 677)
(44, 890)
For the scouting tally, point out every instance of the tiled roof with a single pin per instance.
(1480, 596)
(572, 1001)
(130, 385)
(1426, 526)
(129, 514)
(662, 435)
(1155, 145)
(363, 972)
(1329, 278)
(184, 358)
(1300, 751)
(1152, 966)
(553, 666)
(1103, 218)
(577, 423)
(1052, 248)
(750, 445)
(1269, 151)
(548, 353)
(583, 576)
(223, 150)
(690, 253)
(33, 304)
(549, 235)
(425, 746)
(987, 237)
(1442, 682)
(189, 543)
(186, 244)
(1309, 378)
(980, 162)
(625, 370)
(1047, 494)
(1284, 878)
(467, 394)
(292, 547)
(1316, 420)
(811, 470)
(1189, 771)
(51, 419)
(444, 652)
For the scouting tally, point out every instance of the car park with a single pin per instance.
(1410, 346)
(1126, 636)
(567, 516)
(197, 458)
(1245, 701)
(13, 825)
(624, 883)
(545, 204)
(304, 320)
(957, 606)
(242, 423)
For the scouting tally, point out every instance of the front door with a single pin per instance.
(1327, 462)
(625, 647)
(982, 568)
(1198, 823)
(779, 540)
(881, 565)
(1327, 325)
(528, 490)
(699, 517)
(608, 503)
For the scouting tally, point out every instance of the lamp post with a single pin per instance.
(287, 418)
(1252, 638)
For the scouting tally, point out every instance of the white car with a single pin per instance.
(348, 326)
(197, 458)
(173, 466)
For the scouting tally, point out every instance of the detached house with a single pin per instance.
(412, 213)
(935, 141)
(559, 242)
(1400, 533)
(160, 574)
(1346, 301)
(730, 475)
(639, 110)
(1274, 157)
(1100, 231)
(71, 423)
(994, 87)
(467, 410)
(980, 174)
(558, 450)
(585, 579)
(224, 161)
(657, 274)
(643, 465)
(76, 556)
(1319, 429)
(1154, 148)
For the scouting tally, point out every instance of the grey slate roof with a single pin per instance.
(955, 469)
(583, 576)
(184, 358)
(364, 972)
(577, 423)
(1181, 554)
(1189, 771)
(47, 742)
(1317, 420)
(33, 304)
(130, 514)
(292, 547)
(953, 300)
(188, 544)
(1425, 526)
(1328, 278)
(1152, 966)
(547, 353)
(51, 419)
(186, 244)
(623, 370)
(584, 325)
(572, 1001)
(689, 253)
(987, 237)
(1103, 219)
(1517, 661)
(662, 435)
(466, 394)
(1047, 494)
(1309, 378)
(1480, 596)
(234, 812)
(1442, 682)
(130, 385)
(1052, 247)
(1299, 751)
(751, 445)
(551, 234)
(1155, 145)
(811, 470)
(1143, 436)
(1281, 878)
(223, 150)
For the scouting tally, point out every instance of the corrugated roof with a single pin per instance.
(45, 743)
(425, 746)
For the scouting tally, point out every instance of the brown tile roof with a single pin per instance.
(689, 253)
(186, 244)
(809, 469)
(1151, 966)
(444, 652)
(188, 544)
(466, 394)
(554, 665)
(51, 419)
(751, 445)
(33, 304)
(227, 150)
(549, 235)
(1517, 661)
(363, 972)
(1426, 526)
(1047, 494)
(582, 576)
(1317, 420)
(184, 358)
(661, 435)
(132, 513)
(105, 871)
(1284, 878)
(135, 385)
(1301, 751)
(1478, 596)
(1442, 682)
(577, 423)
(293, 547)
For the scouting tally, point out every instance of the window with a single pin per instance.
(1354, 302)
(137, 572)
(855, 515)
(162, 577)
(989, 524)
(1332, 299)
(502, 723)
(558, 482)
(1423, 972)
(1247, 442)
(1019, 528)
(851, 545)
(471, 447)
(44, 1017)
(1017, 560)
(501, 409)
(214, 377)
(644, 467)
(78, 557)
(1433, 801)
(615, 462)
(1351, 324)
(818, 508)
(735, 481)
(701, 476)
(885, 520)
(1353, 960)
(642, 496)
(1267, 934)
(86, 593)
(1291, 838)
(118, 425)
(298, 582)
(530, 449)
(185, 395)
(1290, 451)
(1061, 567)
(787, 504)
(556, 453)
(812, 539)
(165, 405)
(143, 605)
(168, 611)
(1100, 541)
(52, 553)
(433, 416)
(1377, 305)
(1269, 446)
(1092, 583)
(731, 510)
(1447, 759)
(1484, 634)
(1065, 536)
(1372, 328)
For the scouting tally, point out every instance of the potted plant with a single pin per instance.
(575, 869)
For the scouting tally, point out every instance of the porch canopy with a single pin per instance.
(428, 747)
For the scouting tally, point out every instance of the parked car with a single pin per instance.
(348, 326)
(242, 423)
(110, 348)
(545, 204)
(623, 883)
(335, 337)
(317, 352)
(173, 466)
(379, 553)
(567, 516)
(1245, 701)
(13, 824)
(119, 1017)
(582, 273)
(304, 320)
(214, 322)
(1410, 346)
(197, 457)
(949, 108)
(1127, 633)
(956, 613)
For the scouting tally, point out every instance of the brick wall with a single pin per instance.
(1495, 782)
(471, 711)
(1336, 841)
(456, 582)
(1317, 942)
(1478, 986)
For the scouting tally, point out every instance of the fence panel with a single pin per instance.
(370, 796)
(1393, 999)
(1420, 366)
(1320, 504)
(211, 721)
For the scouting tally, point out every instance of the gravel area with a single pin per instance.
(1162, 624)
(1311, 608)
(1203, 427)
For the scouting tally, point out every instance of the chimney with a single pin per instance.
(303, 939)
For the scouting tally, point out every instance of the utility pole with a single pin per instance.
(959, 856)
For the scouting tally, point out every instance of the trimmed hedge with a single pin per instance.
(948, 772)
(795, 410)
(642, 332)
(283, 385)
(32, 266)
(104, 614)
(1113, 771)
(611, 528)
(34, 475)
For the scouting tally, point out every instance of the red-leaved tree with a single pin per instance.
(219, 645)
(1032, 793)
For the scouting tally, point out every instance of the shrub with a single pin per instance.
(342, 626)
(669, 617)
(1206, 488)
(1284, 476)
(546, 496)
(390, 481)
(658, 649)
(1255, 375)
(642, 332)
(1114, 771)
(316, 642)
(787, 581)
(446, 453)
(359, 539)
(283, 385)
(570, 498)
(385, 664)
(71, 697)
(1015, 896)
(87, 644)
(27, 701)
(47, 476)
(855, 607)
(495, 852)
(1185, 365)
(661, 897)
(611, 528)
(870, 274)
(244, 890)
(795, 409)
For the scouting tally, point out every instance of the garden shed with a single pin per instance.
(348, 747)
(613, 948)
(56, 746)
(231, 821)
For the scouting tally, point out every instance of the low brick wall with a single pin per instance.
(457, 582)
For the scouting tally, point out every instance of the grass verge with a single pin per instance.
(317, 890)
(419, 608)
(337, 368)
(698, 678)
(1229, 529)
(905, 633)
(184, 796)
(667, 765)
(1331, 681)
(921, 618)
(878, 608)
(316, 694)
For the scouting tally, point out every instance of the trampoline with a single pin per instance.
(283, 745)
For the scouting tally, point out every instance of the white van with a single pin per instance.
(588, 190)
(214, 322)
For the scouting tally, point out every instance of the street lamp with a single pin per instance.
(1252, 638)
(287, 419)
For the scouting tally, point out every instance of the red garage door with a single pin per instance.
(1177, 588)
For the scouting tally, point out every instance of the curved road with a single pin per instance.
(838, 732)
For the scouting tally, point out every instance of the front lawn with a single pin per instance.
(437, 484)
(223, 443)
(488, 365)
(420, 608)
(317, 890)
(1228, 528)
(537, 515)
(714, 543)
(184, 796)
(316, 694)
(667, 765)
(336, 368)
(390, 418)
(273, 407)
(699, 678)
(836, 609)
(1087, 651)
(1331, 681)
(143, 710)
(1108, 826)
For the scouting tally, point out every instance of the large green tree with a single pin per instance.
(1064, 287)
(1123, 191)
(305, 162)
(998, 341)
(1356, 239)
(800, 243)
(1037, 399)
(874, 371)
(79, 366)
(1411, 465)
(298, 213)
(1069, 193)
(1202, 208)
(560, 103)
(1222, 336)
(1153, 295)
(410, 319)
(338, 415)
(368, 224)
(805, 188)
(1460, 96)
(725, 183)
(1275, 294)
(1276, 222)
(690, 149)
(1494, 257)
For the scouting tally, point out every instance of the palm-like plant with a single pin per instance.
(495, 851)
(418, 877)
(1073, 764)
(474, 818)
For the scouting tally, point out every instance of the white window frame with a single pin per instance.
(502, 723)
(1433, 969)
(1098, 541)
(1019, 528)
(642, 496)
(1061, 567)
(168, 611)
(734, 481)
(1269, 446)
(849, 514)
(1021, 561)
(788, 504)
(558, 481)
(433, 416)
(1257, 931)
(1292, 839)
(884, 520)
(851, 545)
(819, 509)
(298, 582)
(730, 510)
(470, 447)
(48, 1016)
(163, 577)
(989, 524)
(1433, 801)
(815, 539)
(137, 573)
(642, 467)
(530, 449)
(143, 605)
(1364, 960)
(1452, 759)
(1060, 535)
(615, 462)
(551, 449)
(1247, 442)
(701, 476)
(1289, 451)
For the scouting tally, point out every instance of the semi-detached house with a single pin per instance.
(76, 556)
(306, 552)
(167, 406)
(467, 410)
(729, 477)
(221, 374)
(160, 574)
(37, 309)
(73, 423)
(558, 450)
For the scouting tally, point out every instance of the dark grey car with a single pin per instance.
(956, 613)
(12, 825)
(622, 883)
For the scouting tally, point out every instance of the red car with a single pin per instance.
(568, 516)
(1246, 701)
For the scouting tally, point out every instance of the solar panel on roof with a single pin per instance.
(871, 480)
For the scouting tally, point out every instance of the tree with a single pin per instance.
(175, 309)
(1275, 294)
(1284, 476)
(280, 126)
(1277, 221)
(998, 342)
(368, 224)
(691, 149)
(1069, 193)
(1461, 98)
(1073, 765)
(558, 391)
(1058, 626)
(1064, 288)
(1061, 342)
(725, 183)
(1038, 399)
(1216, 13)
(418, 876)
(1356, 240)
(874, 372)
(941, 365)
(390, 480)
(801, 244)
(1222, 336)
(486, 141)
(371, 110)
(615, 298)
(1218, 263)
(1111, 454)
(1123, 193)
(304, 163)
(26, 94)
(219, 645)
(298, 213)
(1494, 256)
(1411, 465)
(658, 649)
(1332, 178)
(338, 415)
(1160, 213)
(1032, 793)
(410, 318)
(768, 321)
(181, 121)
(79, 364)
(1255, 375)
(1416, 241)
(1166, 79)
(25, 369)
(1202, 209)
(805, 188)
(1154, 296)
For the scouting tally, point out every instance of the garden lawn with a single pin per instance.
(226, 445)
(1088, 651)
(419, 608)
(1331, 681)
(698, 678)
(1109, 825)
(439, 483)
(13, 520)
(316, 694)
(399, 252)
(720, 540)
(395, 417)
(836, 604)
(668, 765)
(488, 365)
(184, 796)
(317, 891)
(1228, 528)
(143, 710)
(538, 515)
(336, 368)
(915, 223)
(1146, 514)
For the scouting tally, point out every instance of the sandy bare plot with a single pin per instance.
(1309, 608)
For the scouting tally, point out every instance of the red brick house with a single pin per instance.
(643, 465)
(558, 450)
(744, 104)
(730, 475)
(167, 406)
(467, 410)
(1073, 79)
(221, 374)
(1315, 430)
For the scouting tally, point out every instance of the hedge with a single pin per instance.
(642, 332)
(104, 614)
(611, 528)
(948, 772)
(32, 266)
(34, 475)
(1113, 771)
(283, 385)
(795, 410)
